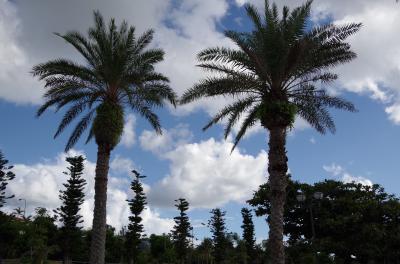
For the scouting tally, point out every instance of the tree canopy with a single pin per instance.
(354, 222)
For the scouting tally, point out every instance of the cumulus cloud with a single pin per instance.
(128, 136)
(338, 171)
(159, 144)
(121, 165)
(333, 169)
(40, 183)
(208, 175)
(348, 178)
(16, 83)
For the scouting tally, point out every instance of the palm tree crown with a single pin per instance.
(119, 72)
(273, 75)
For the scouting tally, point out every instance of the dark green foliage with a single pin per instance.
(351, 219)
(119, 72)
(73, 196)
(6, 175)
(114, 246)
(14, 236)
(205, 250)
(181, 232)
(162, 249)
(135, 227)
(68, 213)
(274, 74)
(42, 235)
(219, 236)
(248, 234)
(110, 116)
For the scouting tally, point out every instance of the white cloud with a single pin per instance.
(338, 171)
(334, 169)
(121, 165)
(208, 175)
(154, 224)
(159, 144)
(347, 178)
(16, 84)
(40, 183)
(393, 112)
(312, 140)
(128, 136)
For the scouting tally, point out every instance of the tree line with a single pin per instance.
(351, 223)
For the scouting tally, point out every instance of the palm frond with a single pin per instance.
(69, 116)
(79, 129)
(255, 17)
(237, 107)
(149, 115)
(250, 120)
(80, 43)
(216, 86)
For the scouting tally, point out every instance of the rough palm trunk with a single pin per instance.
(97, 247)
(277, 168)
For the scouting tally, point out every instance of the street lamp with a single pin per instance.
(22, 199)
(318, 195)
(301, 197)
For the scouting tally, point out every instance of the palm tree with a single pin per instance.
(118, 74)
(273, 76)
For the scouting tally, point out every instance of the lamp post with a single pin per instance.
(301, 197)
(22, 199)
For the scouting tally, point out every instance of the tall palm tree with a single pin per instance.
(118, 74)
(277, 72)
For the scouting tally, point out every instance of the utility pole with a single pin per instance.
(22, 199)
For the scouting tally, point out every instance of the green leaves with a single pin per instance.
(108, 124)
(135, 226)
(351, 219)
(72, 197)
(181, 231)
(6, 175)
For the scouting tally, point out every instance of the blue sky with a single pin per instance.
(364, 148)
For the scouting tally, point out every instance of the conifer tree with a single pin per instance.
(72, 198)
(248, 234)
(181, 232)
(218, 230)
(135, 227)
(6, 175)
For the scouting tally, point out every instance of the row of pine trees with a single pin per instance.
(181, 236)
(317, 231)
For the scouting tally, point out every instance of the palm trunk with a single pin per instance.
(277, 168)
(97, 247)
